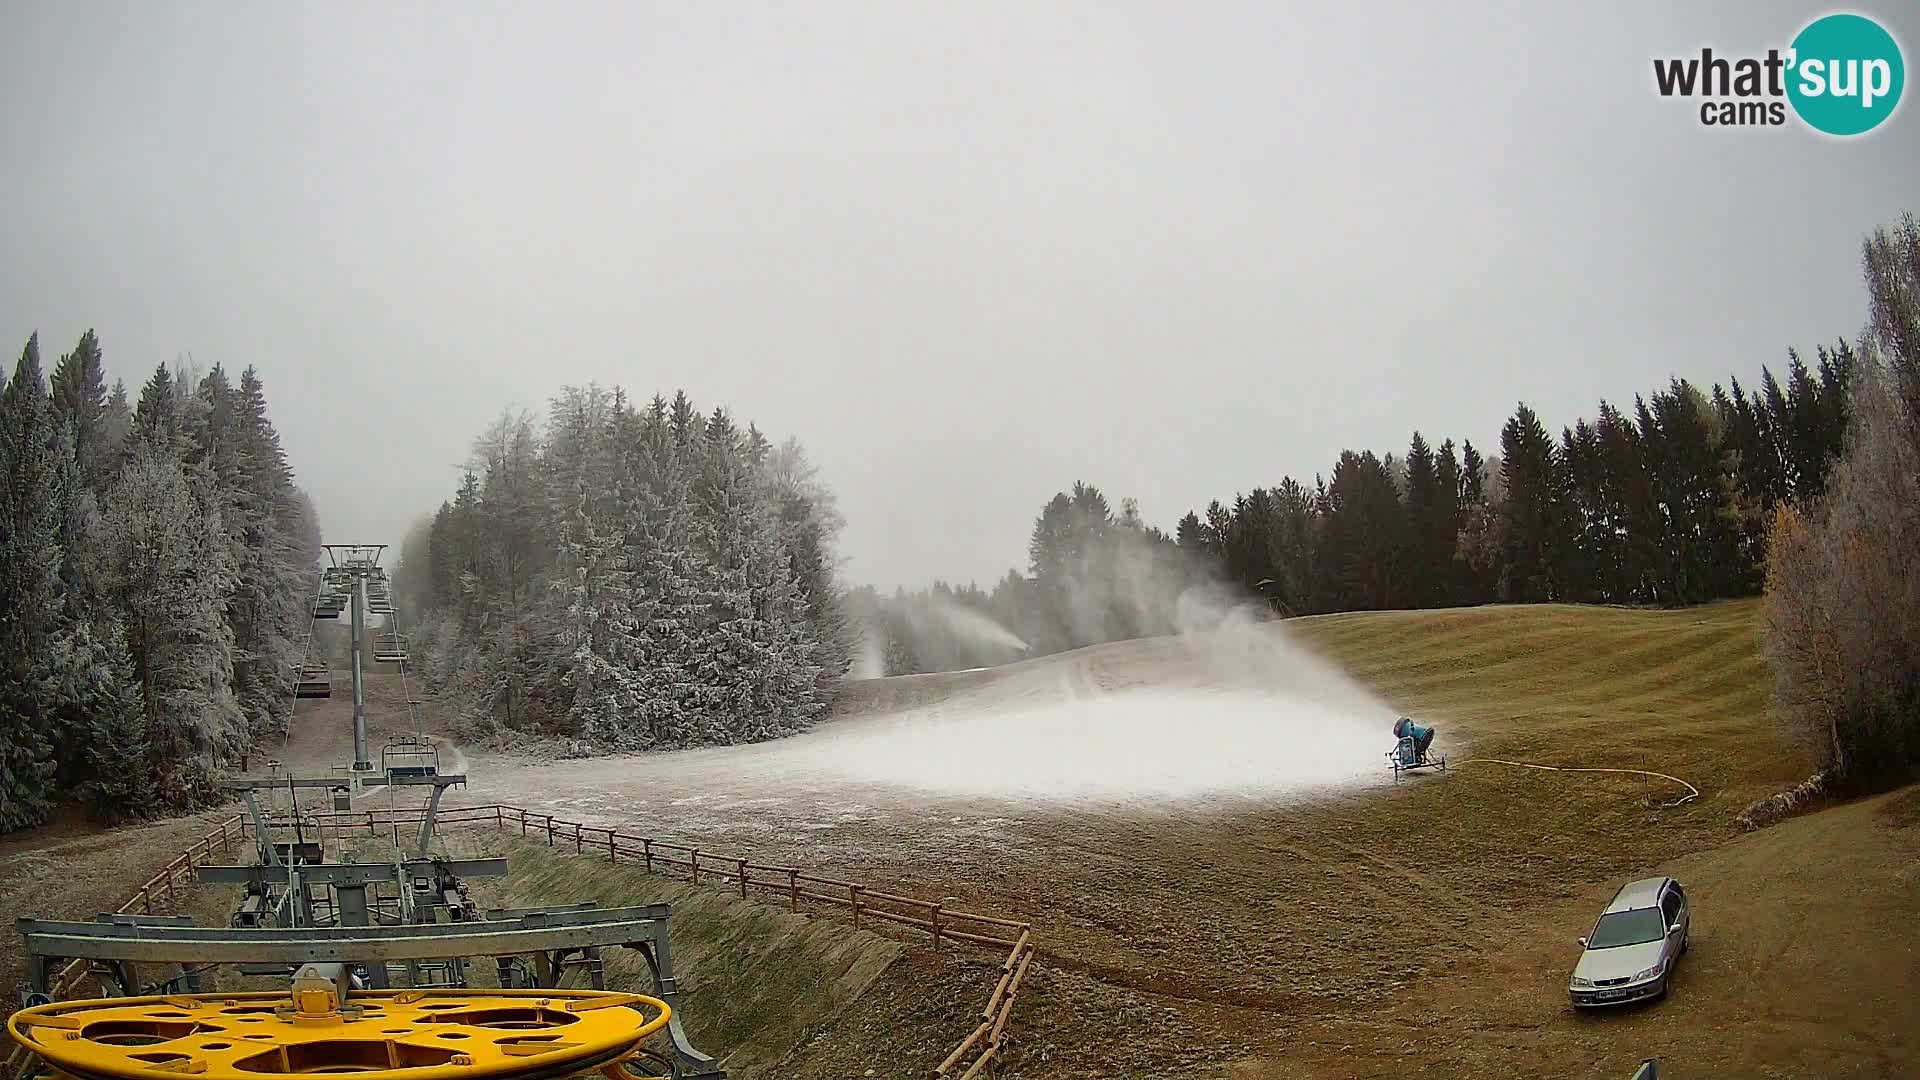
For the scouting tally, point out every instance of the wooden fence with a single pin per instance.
(161, 888)
(791, 884)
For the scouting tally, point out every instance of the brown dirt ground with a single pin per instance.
(74, 871)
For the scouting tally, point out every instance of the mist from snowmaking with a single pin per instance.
(869, 661)
(991, 641)
(1228, 704)
(974, 625)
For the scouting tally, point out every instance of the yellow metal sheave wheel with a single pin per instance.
(382, 1034)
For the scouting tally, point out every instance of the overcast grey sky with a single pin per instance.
(967, 253)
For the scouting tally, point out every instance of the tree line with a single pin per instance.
(154, 557)
(633, 576)
(1843, 567)
(1667, 503)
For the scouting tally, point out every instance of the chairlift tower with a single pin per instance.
(358, 561)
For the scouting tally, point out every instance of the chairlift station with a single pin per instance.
(376, 957)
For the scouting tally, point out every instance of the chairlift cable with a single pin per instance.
(306, 656)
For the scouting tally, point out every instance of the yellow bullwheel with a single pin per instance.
(383, 1034)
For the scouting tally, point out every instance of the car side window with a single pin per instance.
(1670, 906)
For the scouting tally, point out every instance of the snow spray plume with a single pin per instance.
(1214, 696)
(869, 662)
(973, 626)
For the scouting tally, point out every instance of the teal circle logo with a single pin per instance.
(1846, 74)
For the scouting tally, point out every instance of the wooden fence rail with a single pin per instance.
(790, 883)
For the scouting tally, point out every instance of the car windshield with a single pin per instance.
(1628, 928)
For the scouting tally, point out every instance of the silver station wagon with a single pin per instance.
(1630, 953)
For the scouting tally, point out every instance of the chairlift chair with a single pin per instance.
(390, 648)
(410, 755)
(313, 681)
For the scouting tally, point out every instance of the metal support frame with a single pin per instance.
(263, 831)
(361, 763)
(352, 875)
(421, 751)
(542, 933)
(263, 828)
(357, 563)
(433, 810)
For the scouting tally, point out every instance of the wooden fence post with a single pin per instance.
(549, 830)
(499, 818)
(741, 865)
(646, 852)
(934, 917)
(793, 887)
(523, 823)
(693, 863)
(854, 891)
(576, 838)
(613, 853)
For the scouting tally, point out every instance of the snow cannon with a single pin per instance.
(1411, 748)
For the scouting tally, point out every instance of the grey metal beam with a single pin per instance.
(283, 783)
(415, 941)
(425, 845)
(577, 914)
(350, 873)
(516, 913)
(123, 919)
(442, 780)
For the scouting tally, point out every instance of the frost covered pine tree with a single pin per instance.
(104, 759)
(80, 396)
(32, 513)
(80, 402)
(291, 548)
(759, 658)
(810, 524)
(591, 583)
(669, 610)
(235, 443)
(169, 559)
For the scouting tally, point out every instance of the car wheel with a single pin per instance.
(1686, 937)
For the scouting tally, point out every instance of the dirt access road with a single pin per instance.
(1227, 886)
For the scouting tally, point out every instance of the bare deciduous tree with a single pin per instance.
(1843, 581)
